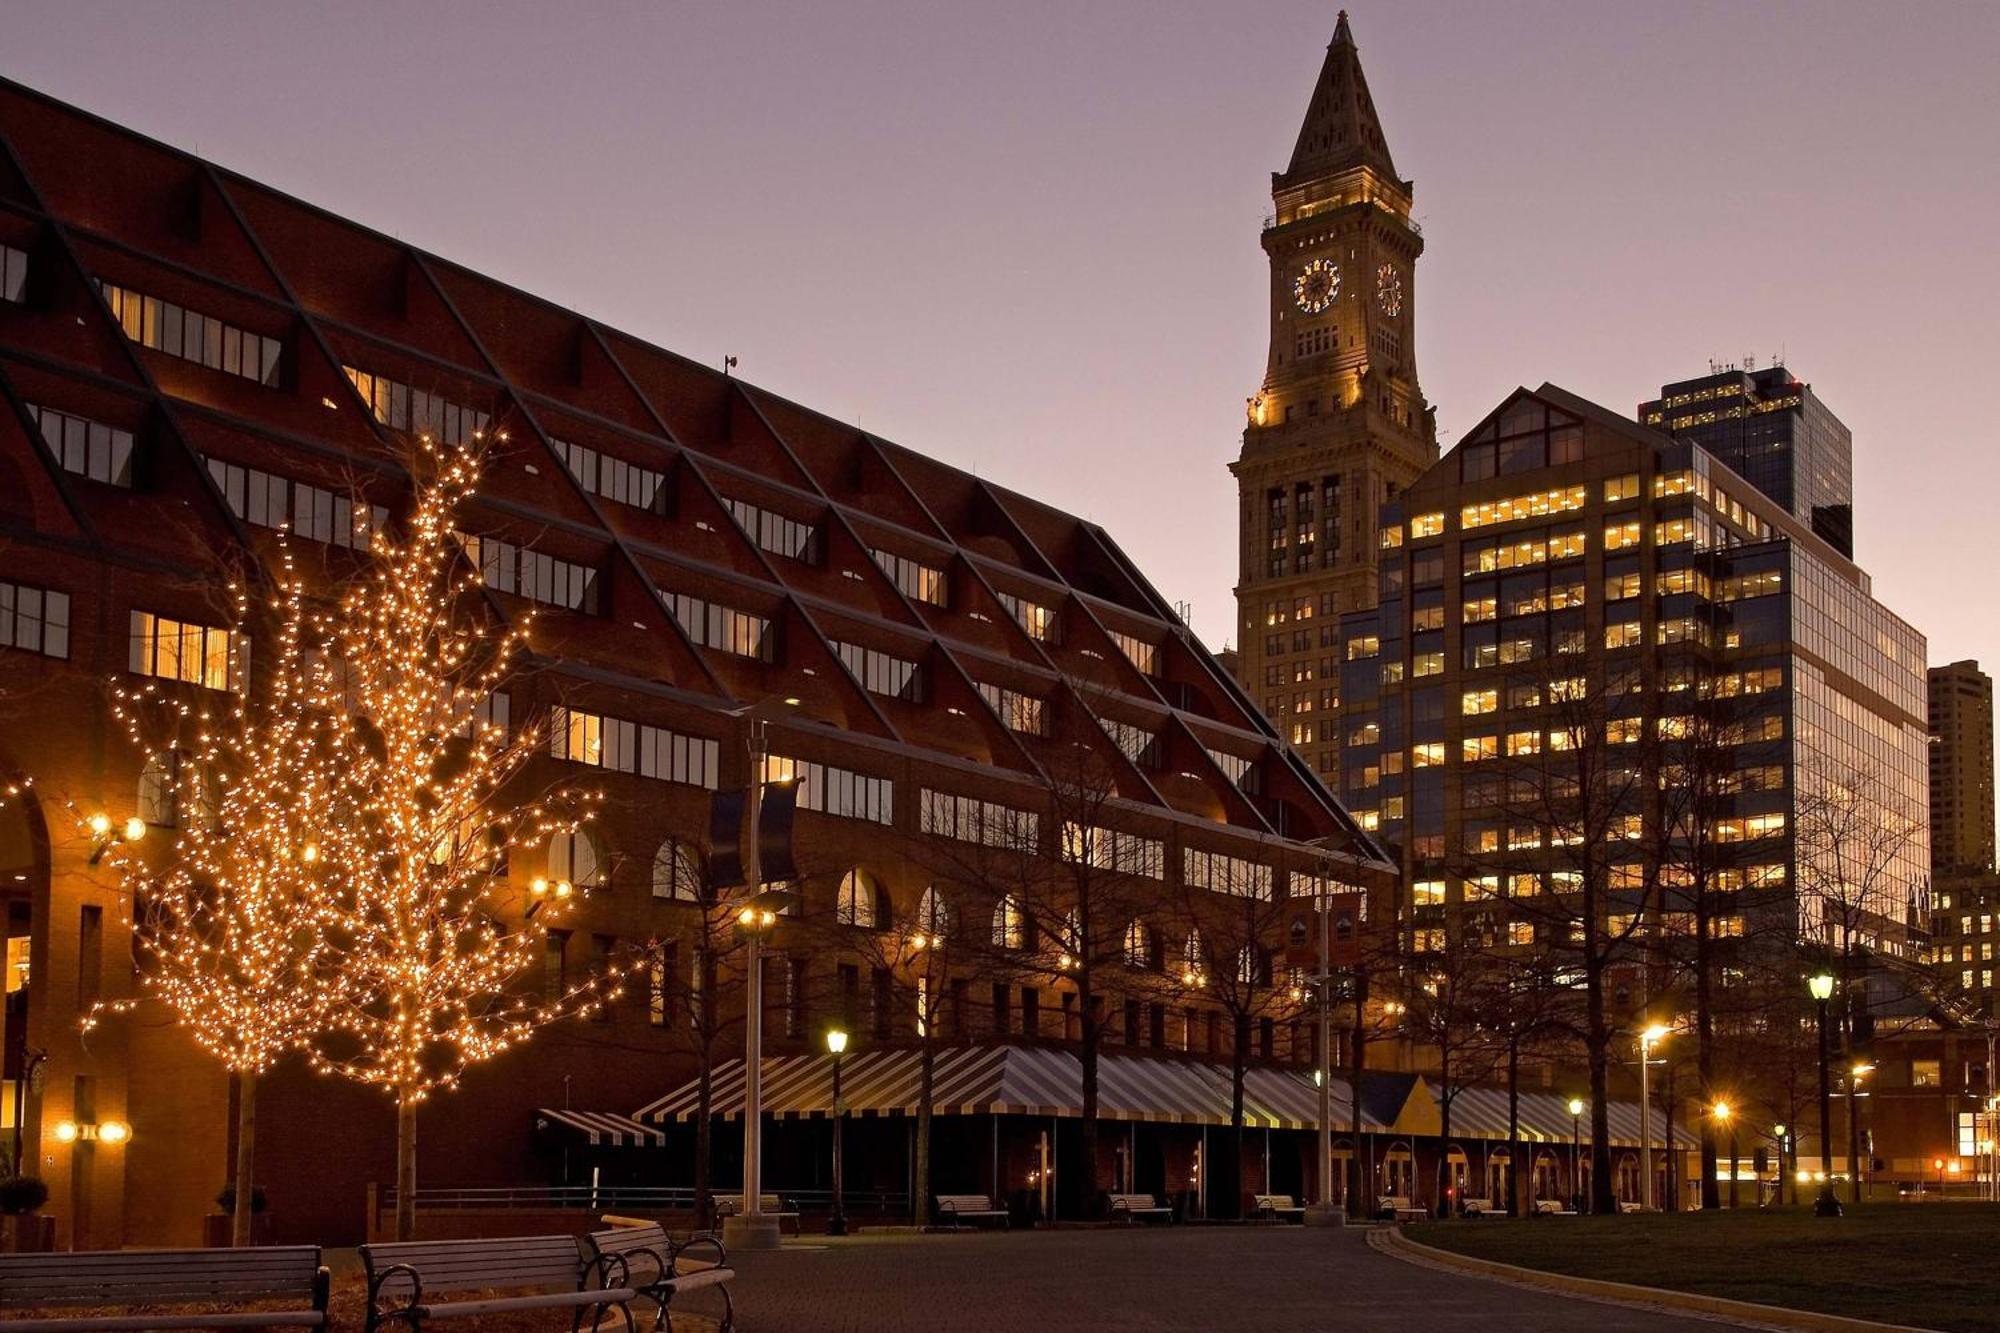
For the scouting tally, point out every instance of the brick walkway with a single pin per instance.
(1268, 1279)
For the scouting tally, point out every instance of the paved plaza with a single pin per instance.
(1270, 1279)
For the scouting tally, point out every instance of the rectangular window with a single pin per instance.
(1221, 873)
(1557, 501)
(1108, 849)
(614, 478)
(1039, 621)
(1621, 488)
(13, 274)
(969, 819)
(192, 336)
(400, 407)
(1134, 742)
(1618, 536)
(1138, 652)
(713, 625)
(835, 791)
(776, 533)
(88, 448)
(1427, 525)
(1018, 712)
(1474, 702)
(631, 747)
(526, 572)
(312, 512)
(926, 583)
(35, 619)
(882, 673)
(198, 654)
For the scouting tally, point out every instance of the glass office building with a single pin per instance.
(1769, 428)
(1566, 581)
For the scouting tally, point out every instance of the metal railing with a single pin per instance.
(633, 1199)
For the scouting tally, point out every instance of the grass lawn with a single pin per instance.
(1926, 1265)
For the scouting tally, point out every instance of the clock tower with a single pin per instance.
(1339, 423)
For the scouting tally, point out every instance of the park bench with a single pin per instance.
(771, 1205)
(1276, 1208)
(642, 1256)
(955, 1210)
(1627, 1206)
(1397, 1208)
(1552, 1208)
(285, 1282)
(1132, 1207)
(1481, 1208)
(532, 1272)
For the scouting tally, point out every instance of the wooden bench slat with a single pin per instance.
(552, 1300)
(226, 1319)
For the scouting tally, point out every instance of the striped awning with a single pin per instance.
(602, 1129)
(1481, 1113)
(1013, 1080)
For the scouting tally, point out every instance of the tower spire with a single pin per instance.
(1341, 129)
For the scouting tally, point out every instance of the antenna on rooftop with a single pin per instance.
(1749, 362)
(728, 364)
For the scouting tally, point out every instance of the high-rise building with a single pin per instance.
(1339, 423)
(1565, 580)
(192, 362)
(1770, 429)
(1962, 796)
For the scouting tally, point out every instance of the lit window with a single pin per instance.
(1621, 488)
(1618, 536)
(193, 336)
(179, 650)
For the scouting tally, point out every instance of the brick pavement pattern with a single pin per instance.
(1268, 1279)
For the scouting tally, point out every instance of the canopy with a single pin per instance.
(1016, 1080)
(601, 1129)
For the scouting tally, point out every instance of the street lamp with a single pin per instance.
(751, 1228)
(1726, 1117)
(1647, 1040)
(1820, 984)
(1778, 1194)
(1854, 1076)
(836, 1223)
(1575, 1143)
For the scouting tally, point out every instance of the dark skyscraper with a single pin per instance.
(1770, 429)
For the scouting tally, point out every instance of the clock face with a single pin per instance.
(1316, 286)
(1389, 290)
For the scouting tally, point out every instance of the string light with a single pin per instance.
(335, 882)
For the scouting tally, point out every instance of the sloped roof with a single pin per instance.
(1341, 129)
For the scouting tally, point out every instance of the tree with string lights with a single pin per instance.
(343, 888)
(224, 923)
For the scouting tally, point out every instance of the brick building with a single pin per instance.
(189, 359)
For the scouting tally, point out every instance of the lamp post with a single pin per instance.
(836, 1223)
(1575, 1148)
(1778, 1194)
(1324, 1214)
(1647, 1040)
(1726, 1117)
(1855, 1073)
(1820, 984)
(751, 1228)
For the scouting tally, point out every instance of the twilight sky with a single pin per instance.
(1023, 237)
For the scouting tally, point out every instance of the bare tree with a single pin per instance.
(1233, 967)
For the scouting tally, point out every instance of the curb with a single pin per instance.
(1391, 1240)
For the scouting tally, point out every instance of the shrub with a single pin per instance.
(22, 1194)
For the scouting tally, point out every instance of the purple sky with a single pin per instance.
(1023, 237)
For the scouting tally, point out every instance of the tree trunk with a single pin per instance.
(1440, 1202)
(1238, 1063)
(1518, 1181)
(920, 1207)
(1357, 1067)
(1597, 1041)
(406, 1165)
(246, 1144)
(704, 1145)
(1093, 1186)
(1704, 1055)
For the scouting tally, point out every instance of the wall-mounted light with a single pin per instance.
(106, 1131)
(103, 837)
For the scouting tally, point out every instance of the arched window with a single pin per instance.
(861, 900)
(677, 872)
(577, 856)
(1138, 945)
(1249, 969)
(934, 914)
(1009, 927)
(173, 784)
